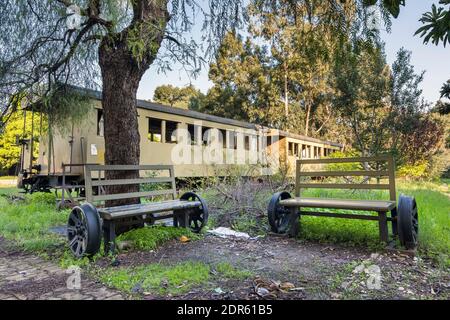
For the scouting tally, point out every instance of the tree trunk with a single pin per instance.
(121, 72)
(121, 78)
(308, 114)
(286, 98)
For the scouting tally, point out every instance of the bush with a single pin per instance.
(414, 171)
(41, 198)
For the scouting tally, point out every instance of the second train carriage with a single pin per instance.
(161, 130)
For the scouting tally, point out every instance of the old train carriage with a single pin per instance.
(160, 127)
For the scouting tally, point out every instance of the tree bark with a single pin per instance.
(308, 114)
(121, 73)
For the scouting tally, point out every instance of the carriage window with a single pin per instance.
(223, 137)
(191, 130)
(296, 149)
(100, 123)
(170, 131)
(206, 135)
(290, 149)
(154, 130)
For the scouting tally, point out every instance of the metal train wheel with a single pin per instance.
(84, 230)
(408, 222)
(198, 217)
(277, 214)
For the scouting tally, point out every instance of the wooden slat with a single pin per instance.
(131, 195)
(117, 182)
(88, 183)
(133, 206)
(341, 215)
(391, 169)
(149, 209)
(344, 186)
(298, 171)
(128, 167)
(348, 204)
(343, 173)
(343, 160)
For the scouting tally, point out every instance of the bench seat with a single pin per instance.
(112, 213)
(365, 205)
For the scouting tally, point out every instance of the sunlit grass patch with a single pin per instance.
(169, 279)
(27, 222)
(158, 278)
(150, 238)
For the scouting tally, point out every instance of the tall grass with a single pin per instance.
(433, 201)
(27, 221)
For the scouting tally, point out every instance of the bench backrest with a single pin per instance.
(388, 172)
(100, 182)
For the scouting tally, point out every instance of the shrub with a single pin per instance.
(414, 171)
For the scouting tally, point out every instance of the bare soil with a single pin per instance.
(316, 271)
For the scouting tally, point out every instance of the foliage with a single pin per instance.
(243, 87)
(384, 107)
(418, 170)
(150, 238)
(57, 53)
(10, 151)
(436, 24)
(177, 97)
(445, 90)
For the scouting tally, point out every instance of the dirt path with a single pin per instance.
(25, 276)
(316, 271)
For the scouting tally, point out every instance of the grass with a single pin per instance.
(230, 272)
(27, 222)
(165, 279)
(150, 238)
(8, 178)
(158, 278)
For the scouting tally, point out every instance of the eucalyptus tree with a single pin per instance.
(46, 44)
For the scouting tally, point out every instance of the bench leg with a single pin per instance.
(293, 222)
(109, 236)
(394, 222)
(382, 222)
(181, 219)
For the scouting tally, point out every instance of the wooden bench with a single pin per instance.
(88, 222)
(284, 211)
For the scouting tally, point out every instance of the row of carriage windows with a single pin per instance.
(307, 151)
(156, 132)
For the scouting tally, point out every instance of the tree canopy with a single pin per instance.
(177, 97)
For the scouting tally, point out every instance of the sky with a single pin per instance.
(434, 60)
